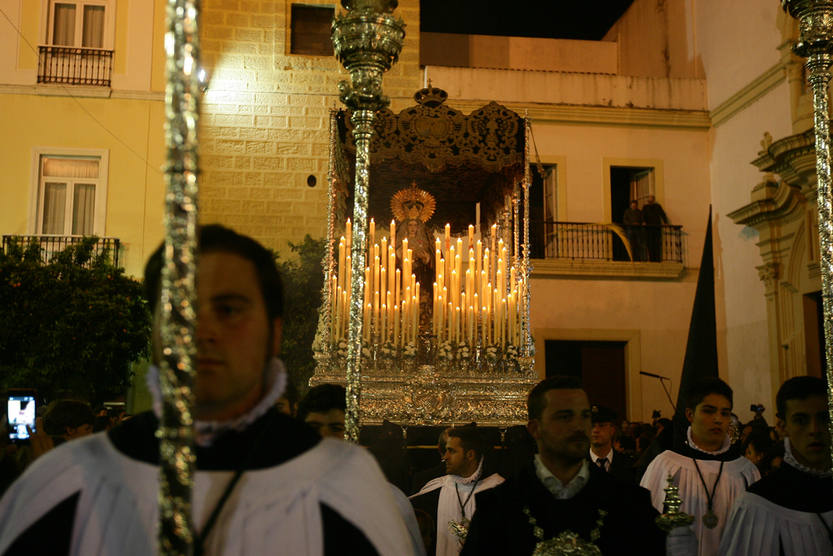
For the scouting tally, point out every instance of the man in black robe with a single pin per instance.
(560, 496)
(790, 510)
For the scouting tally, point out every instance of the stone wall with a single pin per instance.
(264, 128)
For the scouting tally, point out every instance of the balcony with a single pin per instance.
(50, 245)
(607, 250)
(75, 66)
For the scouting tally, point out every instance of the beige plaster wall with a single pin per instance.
(570, 88)
(657, 38)
(737, 255)
(724, 28)
(737, 41)
(659, 311)
(519, 53)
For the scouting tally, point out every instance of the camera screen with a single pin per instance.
(21, 412)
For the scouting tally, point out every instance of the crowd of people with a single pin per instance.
(274, 474)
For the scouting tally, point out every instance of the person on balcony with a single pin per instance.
(654, 218)
(632, 221)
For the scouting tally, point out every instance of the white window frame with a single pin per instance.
(47, 22)
(37, 190)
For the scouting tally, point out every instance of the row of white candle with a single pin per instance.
(477, 306)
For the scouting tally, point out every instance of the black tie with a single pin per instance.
(602, 463)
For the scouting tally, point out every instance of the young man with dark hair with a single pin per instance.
(267, 479)
(450, 500)
(560, 497)
(790, 511)
(709, 471)
(322, 409)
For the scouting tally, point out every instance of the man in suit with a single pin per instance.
(601, 453)
(560, 498)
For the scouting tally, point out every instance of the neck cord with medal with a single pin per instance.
(463, 519)
(709, 518)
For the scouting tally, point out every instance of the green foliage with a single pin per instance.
(70, 326)
(303, 279)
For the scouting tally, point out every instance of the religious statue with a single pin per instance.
(413, 207)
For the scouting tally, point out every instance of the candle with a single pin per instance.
(376, 314)
(396, 284)
(393, 233)
(383, 251)
(471, 236)
(457, 324)
(471, 325)
(391, 267)
(348, 234)
(396, 326)
(372, 238)
(478, 258)
(447, 236)
(404, 321)
(384, 323)
(416, 310)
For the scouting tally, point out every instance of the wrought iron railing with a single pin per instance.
(606, 242)
(50, 245)
(75, 66)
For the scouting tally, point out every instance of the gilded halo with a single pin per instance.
(412, 204)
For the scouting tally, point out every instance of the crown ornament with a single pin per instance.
(412, 204)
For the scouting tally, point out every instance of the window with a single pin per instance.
(310, 30)
(77, 23)
(71, 193)
(78, 38)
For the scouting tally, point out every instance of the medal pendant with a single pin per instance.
(710, 519)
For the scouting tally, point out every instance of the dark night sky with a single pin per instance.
(561, 19)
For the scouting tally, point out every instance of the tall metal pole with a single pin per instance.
(367, 40)
(178, 316)
(815, 18)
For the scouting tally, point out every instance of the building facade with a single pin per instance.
(672, 103)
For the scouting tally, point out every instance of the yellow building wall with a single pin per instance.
(135, 184)
(265, 118)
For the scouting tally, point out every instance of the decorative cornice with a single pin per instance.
(769, 273)
(771, 200)
(750, 93)
(80, 91)
(552, 268)
(607, 115)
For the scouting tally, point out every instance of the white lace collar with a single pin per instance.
(205, 432)
(790, 458)
(724, 448)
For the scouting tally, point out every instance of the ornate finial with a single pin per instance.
(367, 40)
(430, 96)
(766, 142)
(672, 517)
(412, 204)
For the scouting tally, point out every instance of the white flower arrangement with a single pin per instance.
(366, 352)
(444, 351)
(512, 351)
(409, 350)
(463, 352)
(387, 350)
(491, 353)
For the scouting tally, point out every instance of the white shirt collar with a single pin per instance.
(471, 478)
(206, 431)
(724, 448)
(595, 459)
(554, 484)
